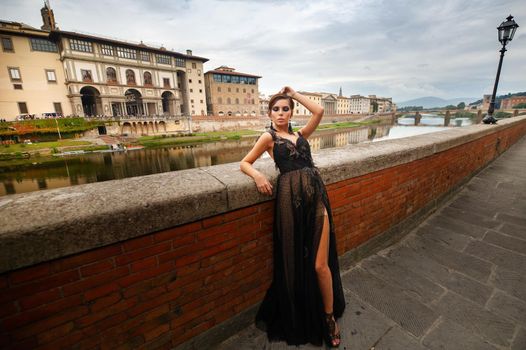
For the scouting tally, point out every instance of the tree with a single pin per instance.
(461, 105)
(520, 105)
(450, 107)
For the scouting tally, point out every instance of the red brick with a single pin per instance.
(3, 281)
(29, 274)
(213, 221)
(153, 303)
(63, 343)
(96, 268)
(156, 332)
(142, 253)
(39, 299)
(145, 274)
(41, 312)
(137, 243)
(57, 319)
(8, 309)
(102, 303)
(112, 310)
(95, 281)
(55, 333)
(98, 292)
(85, 258)
(53, 281)
(144, 264)
(103, 325)
(241, 213)
(177, 232)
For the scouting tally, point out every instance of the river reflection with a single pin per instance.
(96, 167)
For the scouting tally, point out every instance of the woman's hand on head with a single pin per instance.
(263, 185)
(287, 90)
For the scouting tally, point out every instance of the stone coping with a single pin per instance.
(44, 225)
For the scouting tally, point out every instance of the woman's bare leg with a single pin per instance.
(323, 271)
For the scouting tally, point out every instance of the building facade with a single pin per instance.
(32, 78)
(299, 109)
(88, 75)
(511, 102)
(343, 105)
(360, 104)
(230, 93)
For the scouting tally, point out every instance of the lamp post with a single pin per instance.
(506, 31)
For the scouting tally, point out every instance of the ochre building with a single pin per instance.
(231, 93)
(50, 70)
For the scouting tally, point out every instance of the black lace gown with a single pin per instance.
(292, 309)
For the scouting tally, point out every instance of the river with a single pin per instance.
(76, 170)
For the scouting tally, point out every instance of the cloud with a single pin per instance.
(401, 49)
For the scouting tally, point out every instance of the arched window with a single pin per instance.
(237, 101)
(147, 78)
(130, 77)
(228, 100)
(219, 100)
(111, 75)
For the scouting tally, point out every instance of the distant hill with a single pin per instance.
(431, 102)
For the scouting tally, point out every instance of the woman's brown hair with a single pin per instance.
(275, 98)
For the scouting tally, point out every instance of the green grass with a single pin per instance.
(22, 147)
(48, 126)
(159, 141)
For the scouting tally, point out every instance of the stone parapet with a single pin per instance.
(45, 225)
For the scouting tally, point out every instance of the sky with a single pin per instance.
(403, 49)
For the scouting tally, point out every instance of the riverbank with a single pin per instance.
(42, 152)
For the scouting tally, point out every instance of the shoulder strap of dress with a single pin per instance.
(299, 133)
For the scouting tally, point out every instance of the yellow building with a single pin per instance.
(88, 75)
(32, 77)
(230, 93)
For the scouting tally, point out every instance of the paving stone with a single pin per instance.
(450, 335)
(508, 306)
(486, 209)
(457, 226)
(467, 264)
(412, 283)
(485, 324)
(446, 238)
(397, 339)
(391, 300)
(470, 217)
(431, 269)
(519, 343)
(249, 338)
(514, 283)
(361, 325)
(499, 256)
(505, 241)
(513, 230)
(512, 219)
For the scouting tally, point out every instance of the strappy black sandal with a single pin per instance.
(334, 339)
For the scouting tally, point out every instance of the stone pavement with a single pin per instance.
(456, 282)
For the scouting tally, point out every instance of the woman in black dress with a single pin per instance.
(306, 296)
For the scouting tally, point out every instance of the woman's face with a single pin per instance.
(281, 113)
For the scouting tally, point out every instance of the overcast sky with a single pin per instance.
(401, 49)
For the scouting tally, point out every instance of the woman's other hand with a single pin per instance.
(287, 90)
(263, 184)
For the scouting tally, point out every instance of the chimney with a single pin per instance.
(189, 52)
(48, 18)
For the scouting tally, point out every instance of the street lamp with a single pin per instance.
(506, 31)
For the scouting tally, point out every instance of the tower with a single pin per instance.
(48, 18)
(340, 92)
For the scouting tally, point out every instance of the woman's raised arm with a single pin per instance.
(313, 107)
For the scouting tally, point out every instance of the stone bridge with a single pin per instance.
(182, 259)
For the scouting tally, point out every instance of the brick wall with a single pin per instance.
(160, 290)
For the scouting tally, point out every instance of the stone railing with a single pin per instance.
(184, 258)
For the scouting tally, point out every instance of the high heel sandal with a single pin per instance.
(334, 339)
